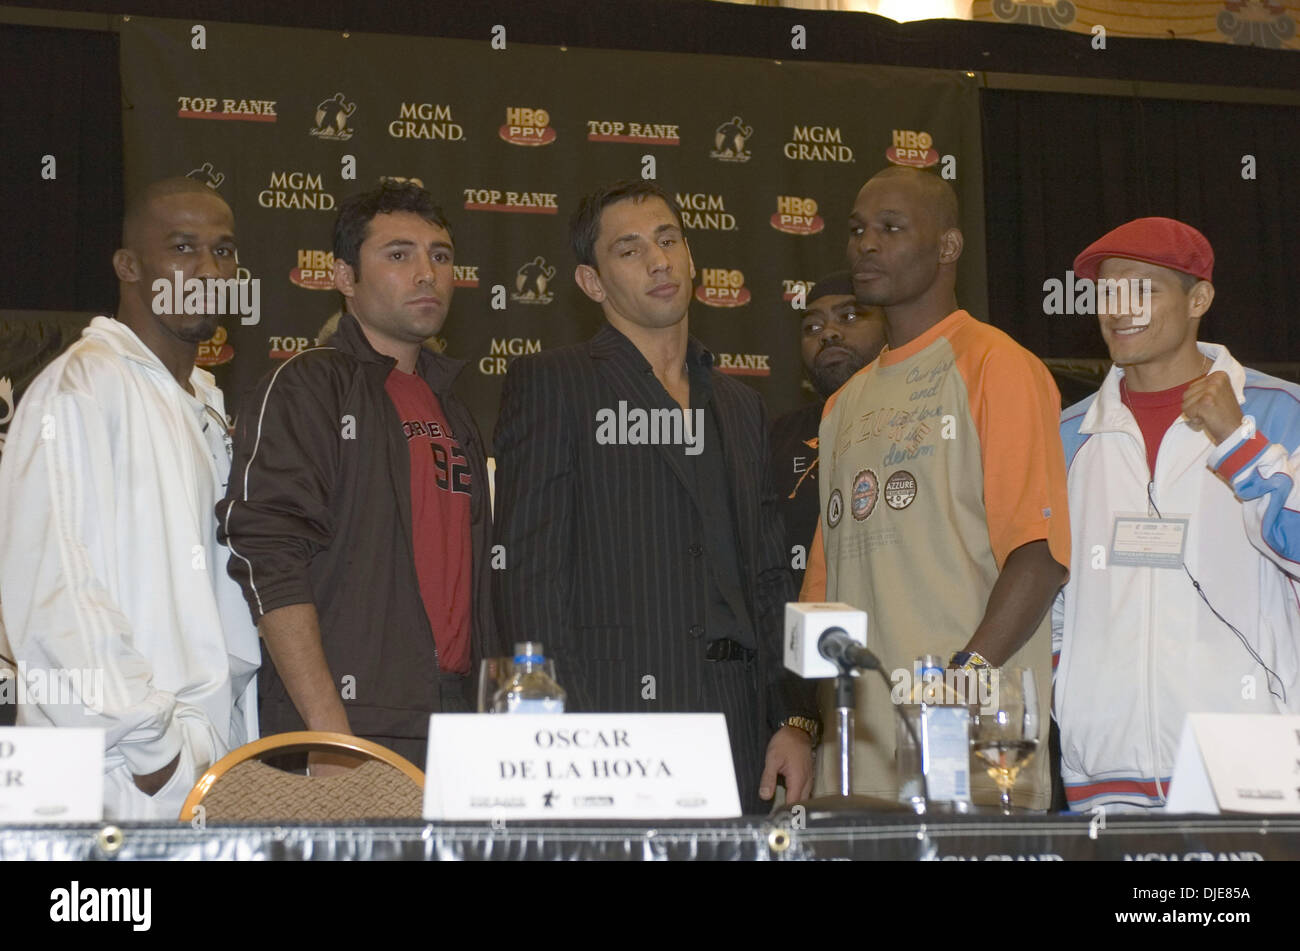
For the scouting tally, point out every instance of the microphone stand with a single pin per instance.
(844, 726)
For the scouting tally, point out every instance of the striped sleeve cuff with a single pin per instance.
(1239, 450)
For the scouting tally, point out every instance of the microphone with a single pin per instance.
(839, 648)
(813, 628)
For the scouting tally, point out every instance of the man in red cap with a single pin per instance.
(1185, 520)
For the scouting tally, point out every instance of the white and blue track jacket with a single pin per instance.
(1138, 648)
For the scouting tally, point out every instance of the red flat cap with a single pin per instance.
(1161, 241)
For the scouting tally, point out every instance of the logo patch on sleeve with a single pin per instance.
(835, 508)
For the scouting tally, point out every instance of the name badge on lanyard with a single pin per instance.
(1144, 542)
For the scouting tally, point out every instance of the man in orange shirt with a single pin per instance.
(943, 503)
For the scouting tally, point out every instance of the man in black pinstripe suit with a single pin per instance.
(642, 540)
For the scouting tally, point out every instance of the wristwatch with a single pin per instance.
(807, 724)
(968, 660)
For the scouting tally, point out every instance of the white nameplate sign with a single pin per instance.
(493, 767)
(1237, 762)
(50, 774)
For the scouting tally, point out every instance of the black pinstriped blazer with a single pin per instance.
(603, 545)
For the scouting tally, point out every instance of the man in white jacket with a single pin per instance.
(111, 581)
(1185, 520)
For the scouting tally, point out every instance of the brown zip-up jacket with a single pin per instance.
(318, 510)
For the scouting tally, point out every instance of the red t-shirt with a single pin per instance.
(1155, 412)
(440, 481)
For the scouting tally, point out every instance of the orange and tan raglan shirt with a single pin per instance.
(938, 460)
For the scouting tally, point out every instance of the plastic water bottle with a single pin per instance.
(530, 688)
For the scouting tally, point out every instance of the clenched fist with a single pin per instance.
(1210, 406)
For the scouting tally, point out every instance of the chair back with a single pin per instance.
(240, 788)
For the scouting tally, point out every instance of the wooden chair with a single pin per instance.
(239, 787)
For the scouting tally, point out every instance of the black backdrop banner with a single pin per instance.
(764, 157)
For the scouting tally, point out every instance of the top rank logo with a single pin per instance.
(745, 364)
(492, 199)
(795, 291)
(645, 133)
(797, 215)
(720, 287)
(242, 110)
(730, 139)
(426, 120)
(464, 275)
(527, 127)
(332, 119)
(912, 148)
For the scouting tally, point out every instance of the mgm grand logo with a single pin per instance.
(702, 212)
(426, 120)
(296, 190)
(817, 143)
(502, 350)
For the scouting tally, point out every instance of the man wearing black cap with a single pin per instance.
(838, 337)
(1185, 520)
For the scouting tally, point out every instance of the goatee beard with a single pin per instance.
(827, 381)
(201, 330)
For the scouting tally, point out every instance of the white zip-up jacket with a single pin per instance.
(110, 569)
(1138, 648)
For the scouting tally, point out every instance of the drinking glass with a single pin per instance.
(1004, 733)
